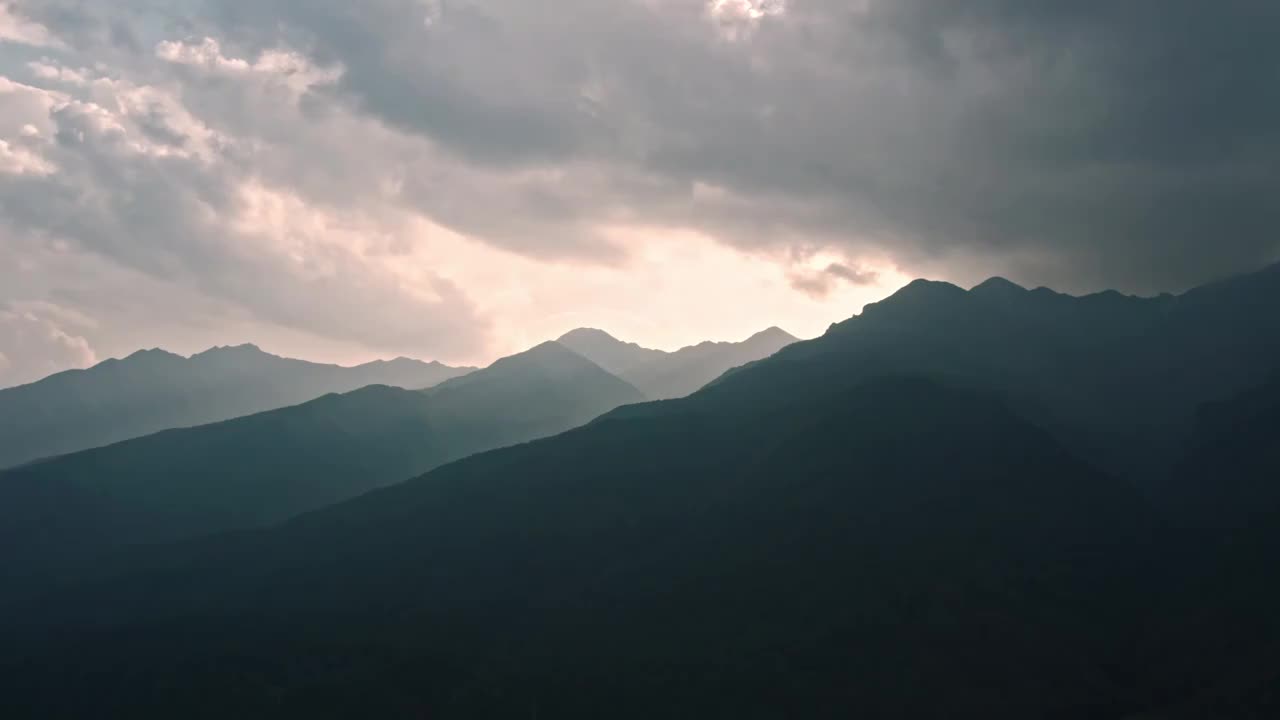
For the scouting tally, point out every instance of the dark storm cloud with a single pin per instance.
(1078, 144)
(820, 283)
(852, 275)
(277, 158)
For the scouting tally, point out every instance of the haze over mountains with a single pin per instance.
(662, 375)
(68, 512)
(153, 390)
(989, 503)
(72, 510)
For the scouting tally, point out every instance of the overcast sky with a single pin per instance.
(458, 179)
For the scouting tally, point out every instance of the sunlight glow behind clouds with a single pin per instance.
(456, 178)
(676, 288)
(381, 265)
(745, 9)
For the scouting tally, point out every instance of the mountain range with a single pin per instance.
(154, 390)
(70, 511)
(995, 502)
(664, 375)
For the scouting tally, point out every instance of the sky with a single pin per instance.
(461, 179)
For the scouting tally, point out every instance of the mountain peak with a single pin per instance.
(544, 354)
(241, 349)
(548, 364)
(608, 352)
(773, 333)
(587, 335)
(150, 353)
(918, 295)
(921, 288)
(998, 287)
(401, 361)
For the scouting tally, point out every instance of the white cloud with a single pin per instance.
(205, 53)
(287, 67)
(338, 176)
(38, 339)
(18, 29)
(17, 160)
(143, 179)
(739, 10)
(46, 69)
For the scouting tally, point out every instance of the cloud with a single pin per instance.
(17, 160)
(819, 283)
(145, 182)
(37, 339)
(368, 175)
(1080, 146)
(855, 276)
(18, 29)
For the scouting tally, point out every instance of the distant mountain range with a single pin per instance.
(664, 375)
(154, 390)
(998, 503)
(70, 511)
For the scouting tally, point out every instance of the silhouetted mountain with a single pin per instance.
(898, 548)
(64, 513)
(1230, 477)
(1219, 639)
(608, 352)
(1000, 289)
(662, 375)
(154, 390)
(1117, 378)
(887, 521)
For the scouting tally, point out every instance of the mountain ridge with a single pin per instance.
(921, 513)
(662, 375)
(684, 537)
(153, 390)
(263, 468)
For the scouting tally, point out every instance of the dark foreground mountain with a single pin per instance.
(154, 390)
(1220, 641)
(663, 375)
(870, 524)
(898, 549)
(67, 512)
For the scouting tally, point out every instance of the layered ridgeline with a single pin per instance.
(153, 390)
(663, 375)
(68, 512)
(1117, 378)
(899, 548)
(866, 524)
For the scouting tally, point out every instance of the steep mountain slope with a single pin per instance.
(1117, 378)
(608, 352)
(823, 533)
(153, 390)
(662, 375)
(1231, 475)
(900, 548)
(65, 513)
(1221, 625)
